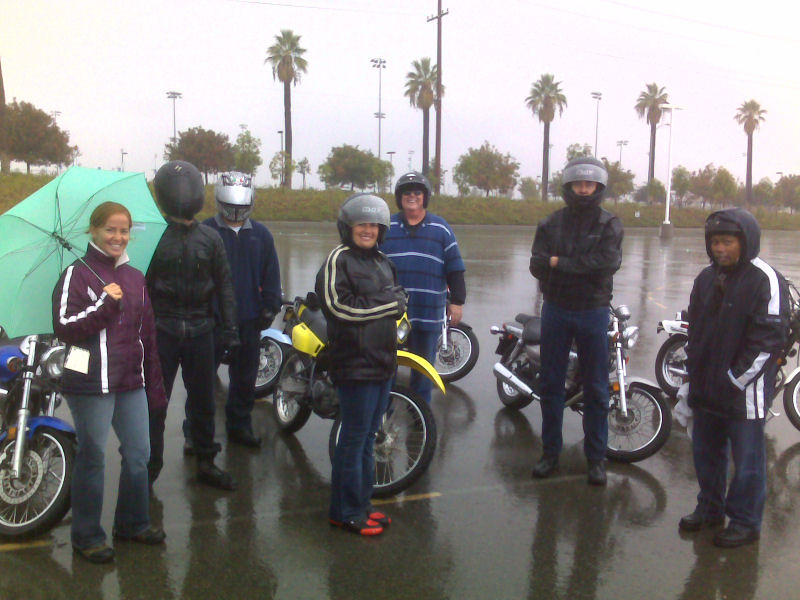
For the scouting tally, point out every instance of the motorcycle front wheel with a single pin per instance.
(671, 364)
(643, 430)
(289, 399)
(404, 445)
(270, 361)
(791, 401)
(457, 359)
(40, 497)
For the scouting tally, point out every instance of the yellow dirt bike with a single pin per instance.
(406, 440)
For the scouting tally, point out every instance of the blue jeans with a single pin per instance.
(93, 417)
(423, 343)
(588, 329)
(362, 406)
(711, 437)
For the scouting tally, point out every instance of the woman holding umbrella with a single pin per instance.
(111, 374)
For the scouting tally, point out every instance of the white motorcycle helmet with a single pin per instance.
(235, 195)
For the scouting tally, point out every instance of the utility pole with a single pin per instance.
(380, 64)
(437, 165)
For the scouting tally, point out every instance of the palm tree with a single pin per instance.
(286, 58)
(545, 98)
(749, 115)
(304, 168)
(420, 91)
(649, 104)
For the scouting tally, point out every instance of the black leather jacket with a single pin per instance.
(188, 273)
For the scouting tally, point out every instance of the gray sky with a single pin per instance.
(106, 67)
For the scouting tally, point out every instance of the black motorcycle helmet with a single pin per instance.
(413, 180)
(724, 222)
(179, 189)
(362, 208)
(584, 168)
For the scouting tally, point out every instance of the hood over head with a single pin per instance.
(739, 222)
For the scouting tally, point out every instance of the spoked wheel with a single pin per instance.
(36, 501)
(791, 401)
(270, 361)
(289, 405)
(642, 431)
(671, 364)
(404, 444)
(457, 358)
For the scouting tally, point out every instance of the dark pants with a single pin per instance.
(712, 435)
(588, 329)
(195, 356)
(423, 343)
(362, 406)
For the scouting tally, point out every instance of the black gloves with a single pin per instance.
(229, 344)
(402, 298)
(266, 318)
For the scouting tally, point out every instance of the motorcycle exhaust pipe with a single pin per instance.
(506, 376)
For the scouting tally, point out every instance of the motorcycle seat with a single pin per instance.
(523, 318)
(532, 331)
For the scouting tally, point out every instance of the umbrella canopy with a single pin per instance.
(45, 232)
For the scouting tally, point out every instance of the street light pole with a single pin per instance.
(174, 96)
(410, 154)
(380, 64)
(666, 226)
(391, 154)
(597, 96)
(621, 143)
(122, 154)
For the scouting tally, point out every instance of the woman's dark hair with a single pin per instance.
(106, 210)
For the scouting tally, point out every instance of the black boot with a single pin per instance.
(212, 475)
(546, 466)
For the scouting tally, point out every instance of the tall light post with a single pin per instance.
(391, 154)
(283, 166)
(174, 96)
(380, 64)
(54, 114)
(666, 226)
(122, 154)
(621, 144)
(410, 154)
(596, 96)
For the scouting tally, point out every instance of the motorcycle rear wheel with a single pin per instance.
(791, 401)
(289, 399)
(643, 431)
(40, 497)
(460, 356)
(404, 445)
(270, 361)
(671, 357)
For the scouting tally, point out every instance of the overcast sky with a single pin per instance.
(106, 67)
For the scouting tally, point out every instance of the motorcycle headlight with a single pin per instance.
(630, 336)
(52, 362)
(623, 312)
(403, 329)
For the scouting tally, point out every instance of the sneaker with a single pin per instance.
(98, 554)
(150, 536)
(211, 474)
(546, 466)
(697, 520)
(361, 527)
(380, 518)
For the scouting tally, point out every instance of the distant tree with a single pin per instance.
(763, 193)
(723, 187)
(544, 100)
(247, 153)
(701, 183)
(209, 151)
(5, 158)
(347, 165)
(486, 169)
(749, 115)
(651, 192)
(620, 181)
(787, 192)
(578, 151)
(280, 166)
(648, 106)
(286, 58)
(32, 137)
(304, 168)
(421, 94)
(681, 183)
(556, 185)
(529, 188)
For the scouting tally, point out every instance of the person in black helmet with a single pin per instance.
(188, 275)
(425, 251)
(575, 253)
(357, 288)
(738, 322)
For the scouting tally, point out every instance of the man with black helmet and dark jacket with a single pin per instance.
(188, 273)
(738, 322)
(575, 253)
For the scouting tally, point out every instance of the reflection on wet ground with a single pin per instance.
(476, 525)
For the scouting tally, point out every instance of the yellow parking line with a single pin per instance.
(409, 498)
(25, 545)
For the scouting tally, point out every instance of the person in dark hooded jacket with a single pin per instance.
(575, 253)
(738, 321)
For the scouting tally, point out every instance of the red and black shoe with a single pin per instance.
(375, 515)
(359, 526)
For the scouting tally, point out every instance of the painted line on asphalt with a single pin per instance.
(25, 545)
(408, 498)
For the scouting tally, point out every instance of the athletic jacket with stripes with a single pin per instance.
(119, 336)
(738, 322)
(361, 300)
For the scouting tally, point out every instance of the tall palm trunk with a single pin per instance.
(545, 160)
(748, 185)
(651, 169)
(426, 126)
(5, 161)
(287, 126)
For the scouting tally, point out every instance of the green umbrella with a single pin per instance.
(45, 232)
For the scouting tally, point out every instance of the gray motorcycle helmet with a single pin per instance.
(585, 168)
(362, 208)
(235, 196)
(412, 180)
(179, 189)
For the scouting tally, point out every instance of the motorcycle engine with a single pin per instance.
(325, 399)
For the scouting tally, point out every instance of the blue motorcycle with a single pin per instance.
(37, 449)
